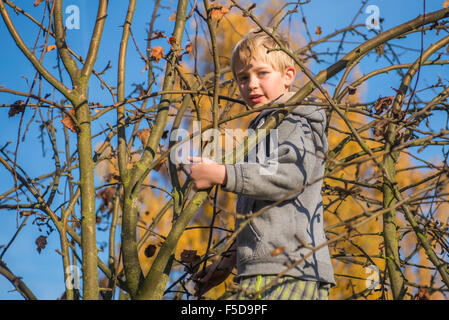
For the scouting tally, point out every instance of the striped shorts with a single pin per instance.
(286, 288)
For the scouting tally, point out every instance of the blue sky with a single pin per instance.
(23, 259)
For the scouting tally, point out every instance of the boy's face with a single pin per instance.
(259, 83)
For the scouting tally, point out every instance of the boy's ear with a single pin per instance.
(289, 75)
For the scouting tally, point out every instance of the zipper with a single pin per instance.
(255, 230)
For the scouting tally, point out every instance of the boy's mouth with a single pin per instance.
(255, 98)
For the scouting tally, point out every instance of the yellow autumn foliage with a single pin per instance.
(364, 246)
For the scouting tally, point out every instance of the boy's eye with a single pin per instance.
(263, 73)
(243, 78)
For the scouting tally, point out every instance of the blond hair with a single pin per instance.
(256, 44)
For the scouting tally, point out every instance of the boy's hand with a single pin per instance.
(205, 173)
(215, 273)
(210, 277)
(207, 279)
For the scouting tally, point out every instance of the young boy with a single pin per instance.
(285, 232)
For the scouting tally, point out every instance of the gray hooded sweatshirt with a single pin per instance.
(296, 221)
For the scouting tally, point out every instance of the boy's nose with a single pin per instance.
(253, 83)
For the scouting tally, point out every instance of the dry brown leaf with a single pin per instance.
(188, 256)
(382, 103)
(157, 53)
(446, 4)
(277, 251)
(381, 128)
(150, 250)
(17, 107)
(37, 2)
(172, 17)
(41, 242)
(157, 35)
(172, 40)
(50, 48)
(189, 48)
(191, 260)
(423, 294)
(318, 31)
(68, 122)
(217, 11)
(107, 196)
(143, 136)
